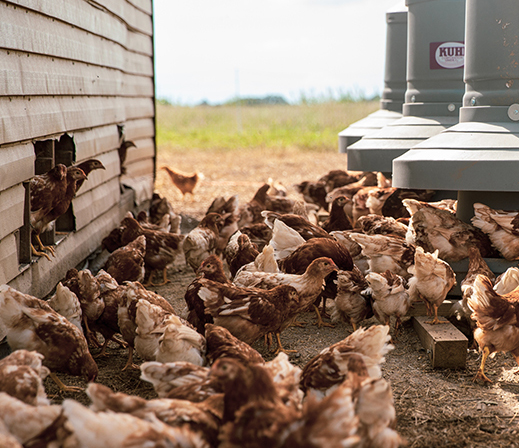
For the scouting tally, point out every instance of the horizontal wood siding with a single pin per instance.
(85, 69)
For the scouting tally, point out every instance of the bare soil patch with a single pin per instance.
(435, 407)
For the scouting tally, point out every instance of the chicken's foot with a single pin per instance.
(436, 321)
(43, 247)
(63, 387)
(320, 323)
(280, 346)
(38, 253)
(129, 363)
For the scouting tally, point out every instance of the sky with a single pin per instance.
(207, 50)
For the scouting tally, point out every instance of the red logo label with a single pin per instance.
(446, 55)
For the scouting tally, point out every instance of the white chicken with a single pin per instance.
(66, 303)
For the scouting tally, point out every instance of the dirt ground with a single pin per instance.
(435, 407)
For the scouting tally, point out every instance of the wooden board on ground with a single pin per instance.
(419, 308)
(445, 344)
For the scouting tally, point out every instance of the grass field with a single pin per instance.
(288, 144)
(313, 126)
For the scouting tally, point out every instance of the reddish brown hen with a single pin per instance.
(186, 183)
(127, 262)
(301, 225)
(88, 166)
(201, 241)
(338, 219)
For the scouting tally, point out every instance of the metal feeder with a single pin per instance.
(434, 85)
(479, 157)
(394, 81)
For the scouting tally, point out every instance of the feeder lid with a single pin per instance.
(470, 156)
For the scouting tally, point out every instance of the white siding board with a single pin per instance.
(33, 117)
(17, 164)
(11, 209)
(138, 64)
(140, 128)
(43, 75)
(144, 5)
(34, 33)
(140, 43)
(95, 202)
(145, 149)
(110, 160)
(138, 108)
(139, 168)
(134, 85)
(8, 259)
(135, 18)
(91, 143)
(81, 14)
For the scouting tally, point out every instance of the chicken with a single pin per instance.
(109, 429)
(305, 228)
(300, 259)
(477, 265)
(127, 310)
(24, 421)
(259, 234)
(368, 180)
(501, 226)
(497, 323)
(230, 216)
(143, 219)
(186, 183)
(245, 253)
(222, 344)
(350, 305)
(359, 259)
(162, 248)
(394, 207)
(309, 285)
(327, 370)
(87, 290)
(50, 196)
(250, 212)
(386, 252)
(432, 228)
(432, 279)
(181, 342)
(210, 269)
(306, 210)
(390, 297)
(160, 207)
(201, 241)
(150, 322)
(202, 418)
(338, 218)
(360, 203)
(377, 199)
(264, 262)
(87, 167)
(507, 281)
(30, 323)
(7, 440)
(250, 313)
(339, 178)
(179, 379)
(21, 376)
(313, 193)
(285, 240)
(123, 152)
(127, 262)
(66, 303)
(381, 225)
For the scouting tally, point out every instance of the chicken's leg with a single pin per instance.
(130, 363)
(38, 253)
(481, 372)
(42, 247)
(320, 323)
(63, 386)
(436, 320)
(280, 346)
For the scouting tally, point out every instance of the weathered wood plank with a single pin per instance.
(12, 203)
(144, 149)
(139, 168)
(8, 259)
(134, 18)
(91, 143)
(139, 128)
(446, 345)
(142, 186)
(32, 117)
(110, 160)
(419, 308)
(17, 163)
(95, 202)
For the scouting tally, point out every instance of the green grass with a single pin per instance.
(306, 126)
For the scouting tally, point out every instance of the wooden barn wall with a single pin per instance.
(82, 68)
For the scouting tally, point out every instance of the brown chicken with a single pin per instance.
(432, 228)
(202, 240)
(432, 279)
(50, 195)
(339, 178)
(123, 152)
(162, 248)
(230, 217)
(389, 297)
(222, 344)
(160, 207)
(501, 226)
(381, 225)
(338, 219)
(250, 313)
(350, 304)
(202, 418)
(21, 376)
(30, 323)
(313, 193)
(186, 183)
(302, 226)
(246, 252)
(497, 321)
(327, 370)
(250, 212)
(127, 262)
(87, 167)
